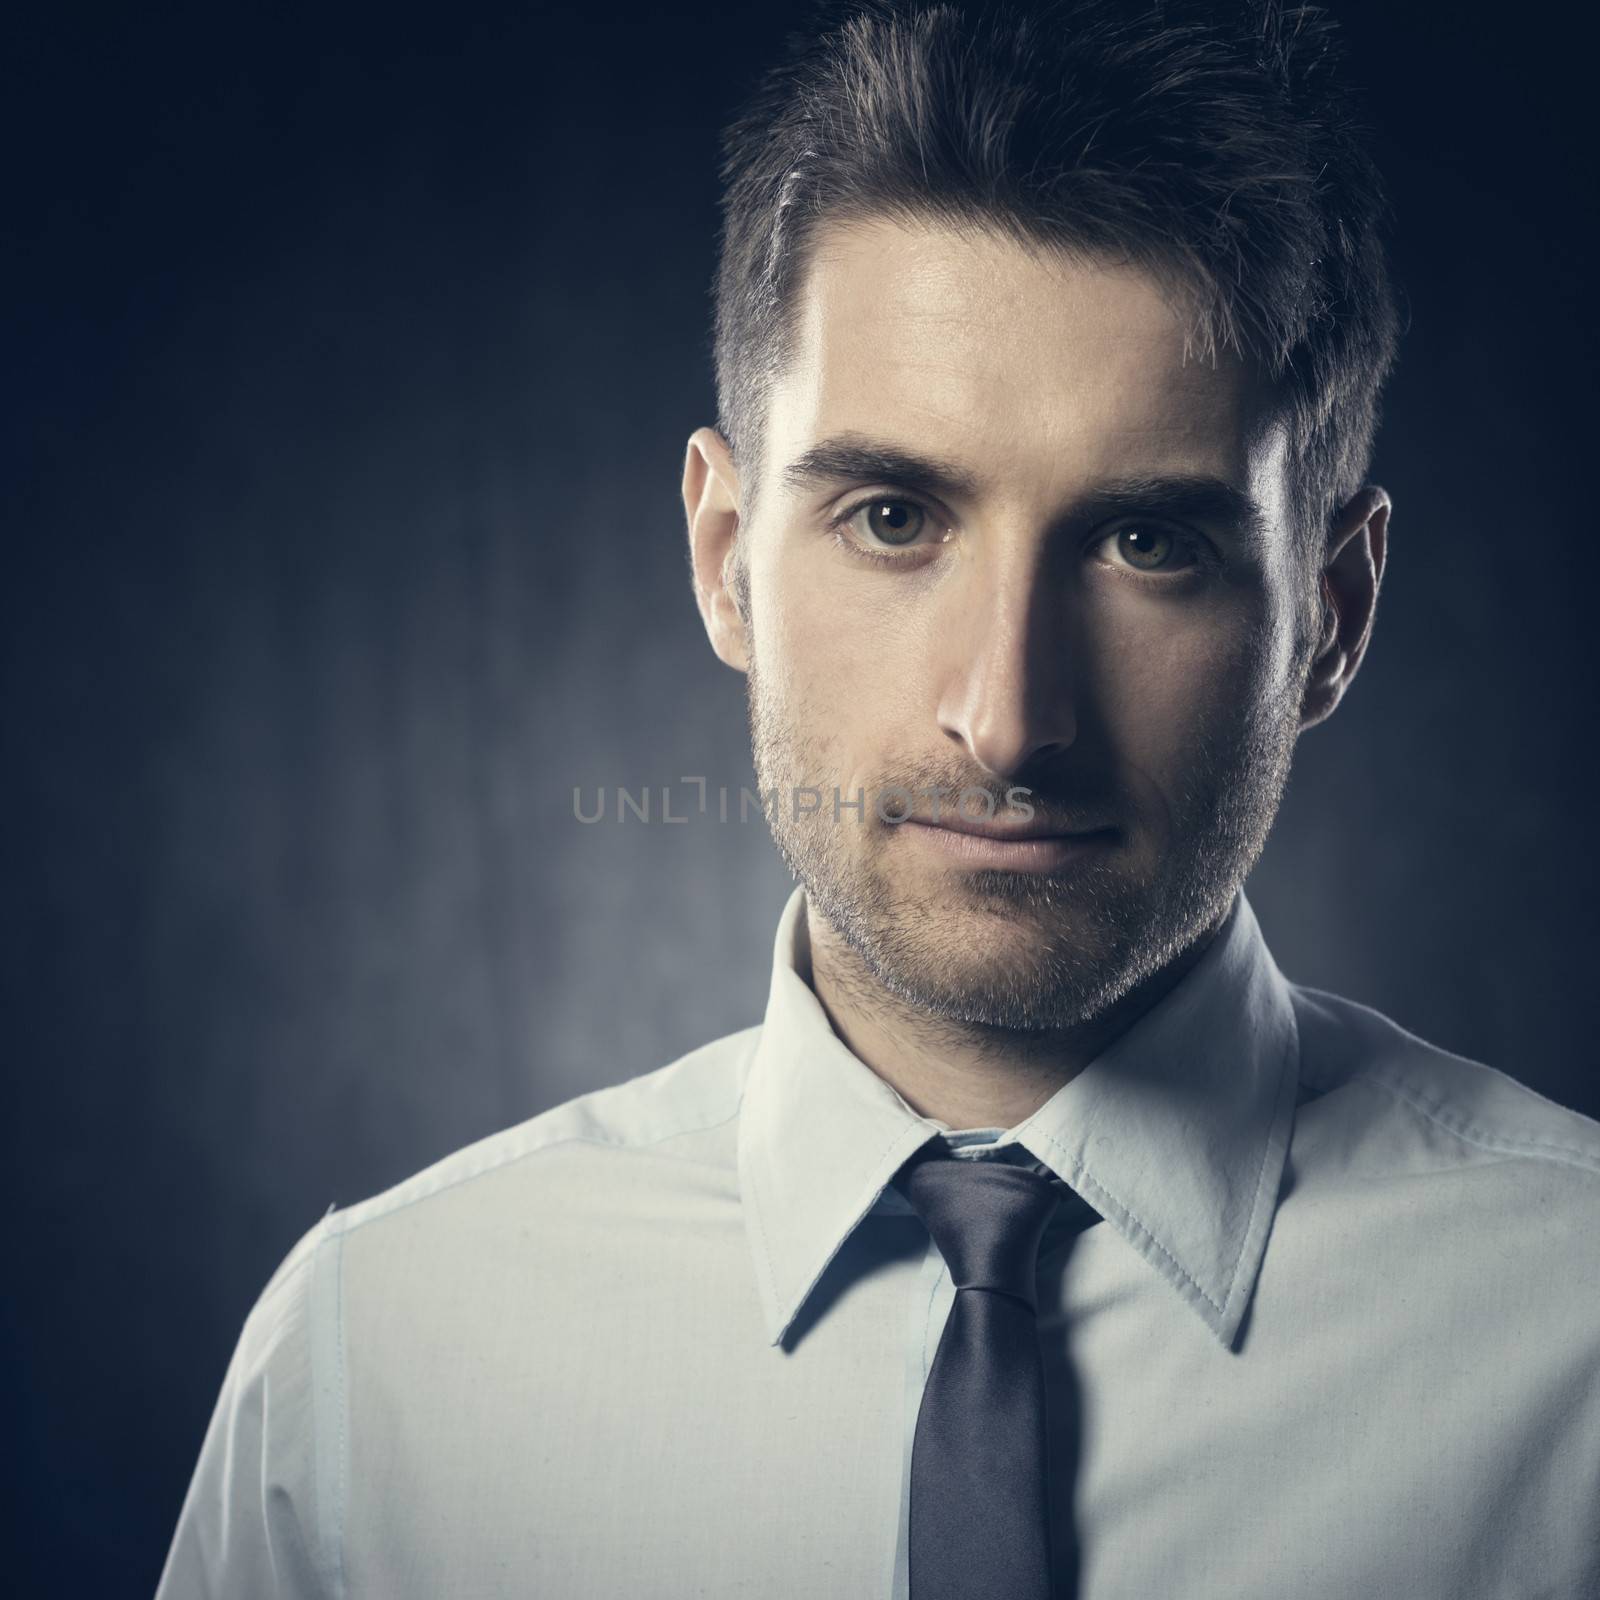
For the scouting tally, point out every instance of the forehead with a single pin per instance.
(1035, 371)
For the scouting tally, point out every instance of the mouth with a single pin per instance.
(1029, 846)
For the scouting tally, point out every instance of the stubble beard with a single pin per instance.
(1024, 953)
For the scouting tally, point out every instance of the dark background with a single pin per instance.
(350, 356)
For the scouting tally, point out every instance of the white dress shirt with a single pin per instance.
(1338, 1334)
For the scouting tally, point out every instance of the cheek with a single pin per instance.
(840, 644)
(1167, 680)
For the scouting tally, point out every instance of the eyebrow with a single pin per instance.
(1195, 497)
(853, 457)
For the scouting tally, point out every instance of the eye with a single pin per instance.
(1149, 547)
(884, 523)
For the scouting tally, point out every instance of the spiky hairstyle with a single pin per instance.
(1211, 144)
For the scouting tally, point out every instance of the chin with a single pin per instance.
(997, 964)
(1072, 903)
(1019, 998)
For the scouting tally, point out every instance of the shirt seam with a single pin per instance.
(325, 1349)
(343, 1413)
(340, 1227)
(757, 1214)
(1080, 1175)
(1289, 1053)
(1282, 1118)
(1471, 1133)
(347, 1225)
(798, 1300)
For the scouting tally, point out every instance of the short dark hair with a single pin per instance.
(1212, 144)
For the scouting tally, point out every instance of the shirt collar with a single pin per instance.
(1176, 1133)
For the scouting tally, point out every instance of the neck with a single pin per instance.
(966, 1075)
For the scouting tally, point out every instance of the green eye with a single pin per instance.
(892, 522)
(1147, 548)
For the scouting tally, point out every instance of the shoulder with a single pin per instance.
(1440, 1189)
(446, 1239)
(276, 1328)
(1393, 1089)
(681, 1113)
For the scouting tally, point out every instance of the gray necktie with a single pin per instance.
(980, 1505)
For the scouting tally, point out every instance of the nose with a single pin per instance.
(1007, 692)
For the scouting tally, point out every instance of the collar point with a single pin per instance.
(1224, 1321)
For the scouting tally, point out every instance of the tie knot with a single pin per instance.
(986, 1217)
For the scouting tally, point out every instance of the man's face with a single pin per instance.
(1085, 607)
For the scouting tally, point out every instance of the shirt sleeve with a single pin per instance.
(261, 1517)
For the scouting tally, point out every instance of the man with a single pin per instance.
(1043, 1239)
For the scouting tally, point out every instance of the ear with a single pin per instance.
(711, 504)
(1353, 568)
